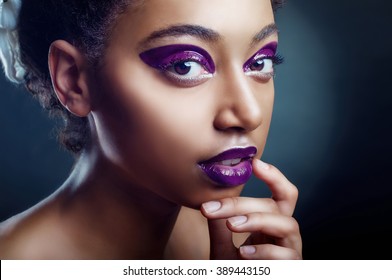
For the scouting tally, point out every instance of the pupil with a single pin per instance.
(182, 68)
(257, 65)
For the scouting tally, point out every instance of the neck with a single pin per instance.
(131, 220)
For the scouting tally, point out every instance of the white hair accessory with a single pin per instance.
(9, 44)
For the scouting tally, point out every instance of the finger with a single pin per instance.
(283, 229)
(283, 191)
(221, 241)
(234, 206)
(268, 252)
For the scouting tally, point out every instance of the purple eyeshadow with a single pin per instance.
(268, 50)
(166, 56)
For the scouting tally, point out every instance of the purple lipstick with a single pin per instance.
(230, 168)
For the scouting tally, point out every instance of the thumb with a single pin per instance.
(221, 241)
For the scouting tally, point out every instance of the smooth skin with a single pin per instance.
(137, 191)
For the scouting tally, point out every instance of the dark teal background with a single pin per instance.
(330, 132)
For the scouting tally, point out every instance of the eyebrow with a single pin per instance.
(204, 33)
(264, 33)
(198, 31)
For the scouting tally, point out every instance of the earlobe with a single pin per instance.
(68, 71)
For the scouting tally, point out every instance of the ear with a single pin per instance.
(69, 73)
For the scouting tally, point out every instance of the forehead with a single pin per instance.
(233, 20)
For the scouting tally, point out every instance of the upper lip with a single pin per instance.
(243, 153)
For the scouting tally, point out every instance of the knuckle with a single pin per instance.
(230, 202)
(271, 204)
(292, 192)
(293, 226)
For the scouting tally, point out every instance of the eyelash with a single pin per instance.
(182, 80)
(193, 81)
(176, 62)
(167, 58)
(275, 59)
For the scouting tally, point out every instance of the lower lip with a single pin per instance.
(229, 176)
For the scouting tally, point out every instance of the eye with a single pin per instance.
(261, 64)
(187, 67)
(183, 65)
(264, 65)
(186, 73)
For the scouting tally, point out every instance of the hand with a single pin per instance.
(274, 233)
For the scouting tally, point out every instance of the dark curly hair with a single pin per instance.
(87, 25)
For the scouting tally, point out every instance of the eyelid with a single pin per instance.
(188, 81)
(160, 56)
(185, 56)
(166, 57)
(267, 51)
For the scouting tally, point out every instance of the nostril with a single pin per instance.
(236, 129)
(232, 120)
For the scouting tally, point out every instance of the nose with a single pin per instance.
(238, 108)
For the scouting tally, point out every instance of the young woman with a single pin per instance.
(167, 106)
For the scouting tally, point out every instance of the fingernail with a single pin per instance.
(211, 206)
(248, 250)
(238, 220)
(262, 164)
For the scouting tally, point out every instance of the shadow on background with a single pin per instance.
(329, 134)
(345, 213)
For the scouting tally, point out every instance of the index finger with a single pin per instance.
(283, 191)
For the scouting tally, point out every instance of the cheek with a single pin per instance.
(265, 100)
(156, 135)
(140, 113)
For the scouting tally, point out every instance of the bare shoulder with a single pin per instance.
(30, 235)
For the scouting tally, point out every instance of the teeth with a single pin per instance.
(230, 162)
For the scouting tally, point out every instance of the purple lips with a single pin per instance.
(230, 168)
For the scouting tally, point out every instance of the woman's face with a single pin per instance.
(183, 82)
